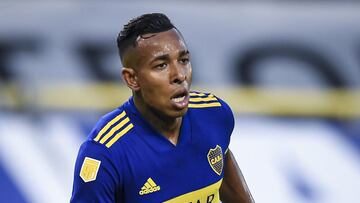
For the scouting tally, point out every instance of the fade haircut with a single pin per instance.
(139, 26)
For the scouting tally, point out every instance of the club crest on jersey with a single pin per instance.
(215, 159)
(89, 169)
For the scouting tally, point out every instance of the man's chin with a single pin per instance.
(178, 113)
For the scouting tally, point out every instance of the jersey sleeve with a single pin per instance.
(95, 177)
(227, 120)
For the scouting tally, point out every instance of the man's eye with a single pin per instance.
(184, 61)
(161, 66)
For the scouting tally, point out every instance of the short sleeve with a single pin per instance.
(95, 176)
(228, 120)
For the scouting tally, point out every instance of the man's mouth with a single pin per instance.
(181, 99)
(178, 99)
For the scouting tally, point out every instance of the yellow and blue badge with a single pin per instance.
(215, 159)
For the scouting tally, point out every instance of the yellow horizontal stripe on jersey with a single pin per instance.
(207, 194)
(120, 134)
(197, 94)
(199, 99)
(107, 126)
(204, 105)
(114, 129)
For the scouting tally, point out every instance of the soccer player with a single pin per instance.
(166, 143)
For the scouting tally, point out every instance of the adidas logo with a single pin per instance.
(149, 187)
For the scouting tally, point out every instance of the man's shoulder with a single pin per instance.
(111, 128)
(210, 109)
(99, 147)
(206, 102)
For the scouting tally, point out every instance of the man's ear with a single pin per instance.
(130, 78)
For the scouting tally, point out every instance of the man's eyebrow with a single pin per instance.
(161, 57)
(184, 52)
(165, 57)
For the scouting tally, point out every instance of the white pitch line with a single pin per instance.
(65, 139)
(26, 163)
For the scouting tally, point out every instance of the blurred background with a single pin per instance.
(290, 70)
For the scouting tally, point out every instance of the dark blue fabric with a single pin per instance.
(143, 153)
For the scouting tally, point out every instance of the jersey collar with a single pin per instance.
(153, 137)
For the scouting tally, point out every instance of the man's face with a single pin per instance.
(163, 72)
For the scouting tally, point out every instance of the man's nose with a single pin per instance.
(178, 74)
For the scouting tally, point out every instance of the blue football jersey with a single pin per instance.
(125, 160)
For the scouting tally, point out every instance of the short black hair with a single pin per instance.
(141, 25)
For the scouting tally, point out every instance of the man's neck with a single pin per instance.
(169, 127)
